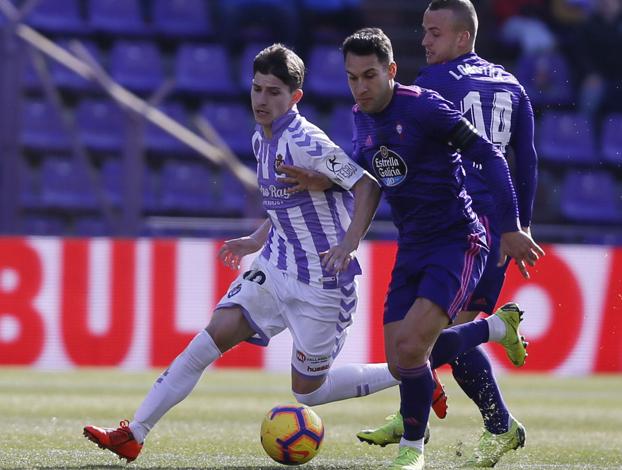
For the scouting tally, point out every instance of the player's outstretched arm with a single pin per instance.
(232, 251)
(366, 198)
(304, 179)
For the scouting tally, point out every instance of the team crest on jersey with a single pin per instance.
(399, 129)
(278, 161)
(389, 167)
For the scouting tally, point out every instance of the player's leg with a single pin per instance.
(230, 324)
(412, 339)
(473, 371)
(319, 322)
(227, 328)
(175, 384)
(450, 345)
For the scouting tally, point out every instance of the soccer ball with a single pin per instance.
(292, 434)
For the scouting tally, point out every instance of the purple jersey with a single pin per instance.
(405, 146)
(496, 104)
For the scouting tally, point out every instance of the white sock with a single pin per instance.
(349, 381)
(418, 444)
(175, 383)
(496, 328)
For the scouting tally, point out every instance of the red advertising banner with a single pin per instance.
(135, 304)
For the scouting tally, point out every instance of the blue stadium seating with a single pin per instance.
(326, 76)
(204, 69)
(29, 185)
(234, 123)
(566, 137)
(67, 78)
(111, 175)
(117, 17)
(182, 18)
(591, 197)
(101, 124)
(151, 190)
(340, 126)
(29, 79)
(259, 20)
(311, 113)
(137, 65)
(161, 142)
(64, 185)
(328, 5)
(233, 195)
(186, 187)
(92, 226)
(41, 127)
(245, 64)
(57, 16)
(546, 78)
(611, 139)
(42, 225)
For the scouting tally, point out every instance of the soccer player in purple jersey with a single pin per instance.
(497, 105)
(411, 139)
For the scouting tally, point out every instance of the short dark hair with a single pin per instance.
(368, 41)
(281, 62)
(462, 9)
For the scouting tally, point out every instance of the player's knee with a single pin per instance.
(310, 391)
(228, 327)
(394, 371)
(314, 397)
(410, 349)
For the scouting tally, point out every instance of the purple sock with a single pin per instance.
(473, 372)
(416, 399)
(457, 340)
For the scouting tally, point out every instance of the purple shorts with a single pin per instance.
(486, 293)
(445, 273)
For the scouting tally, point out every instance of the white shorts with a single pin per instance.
(317, 318)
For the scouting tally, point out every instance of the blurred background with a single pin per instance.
(125, 158)
(75, 160)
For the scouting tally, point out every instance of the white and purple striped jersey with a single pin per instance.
(306, 223)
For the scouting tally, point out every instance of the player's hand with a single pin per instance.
(520, 246)
(337, 258)
(232, 252)
(303, 179)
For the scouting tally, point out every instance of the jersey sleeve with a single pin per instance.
(445, 122)
(326, 157)
(437, 116)
(526, 159)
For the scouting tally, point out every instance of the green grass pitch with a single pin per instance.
(572, 423)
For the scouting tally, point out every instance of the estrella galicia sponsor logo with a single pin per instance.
(389, 167)
(301, 356)
(341, 169)
(234, 290)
